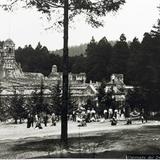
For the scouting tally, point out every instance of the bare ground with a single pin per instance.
(94, 141)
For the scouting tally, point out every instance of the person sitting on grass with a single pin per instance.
(113, 121)
(82, 123)
(38, 124)
(129, 121)
(105, 113)
(93, 112)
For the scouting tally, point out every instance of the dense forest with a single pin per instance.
(138, 61)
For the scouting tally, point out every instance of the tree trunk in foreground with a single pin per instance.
(64, 121)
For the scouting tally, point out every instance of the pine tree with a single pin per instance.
(98, 58)
(36, 105)
(71, 102)
(155, 32)
(14, 107)
(32, 103)
(17, 108)
(120, 56)
(105, 99)
(3, 110)
(134, 63)
(101, 94)
(56, 99)
(40, 105)
(136, 98)
(22, 108)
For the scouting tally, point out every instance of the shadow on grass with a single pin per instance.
(78, 147)
(104, 145)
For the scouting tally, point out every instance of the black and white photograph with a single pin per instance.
(80, 79)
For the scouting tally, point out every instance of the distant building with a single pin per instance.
(118, 88)
(8, 65)
(12, 77)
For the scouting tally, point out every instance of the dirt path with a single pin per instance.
(20, 131)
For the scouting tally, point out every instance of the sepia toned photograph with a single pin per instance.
(80, 79)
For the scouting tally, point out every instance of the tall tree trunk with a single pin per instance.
(64, 123)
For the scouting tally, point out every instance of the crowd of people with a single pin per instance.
(83, 116)
(86, 116)
(90, 115)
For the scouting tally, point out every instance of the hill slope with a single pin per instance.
(73, 51)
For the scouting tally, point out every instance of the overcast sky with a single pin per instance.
(26, 27)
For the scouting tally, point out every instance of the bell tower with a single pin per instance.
(9, 65)
(9, 61)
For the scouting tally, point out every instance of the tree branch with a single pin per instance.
(53, 4)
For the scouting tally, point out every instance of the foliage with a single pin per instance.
(120, 56)
(98, 55)
(17, 108)
(91, 10)
(138, 61)
(32, 103)
(37, 60)
(3, 110)
(56, 99)
(136, 98)
(71, 102)
(105, 99)
(155, 32)
(36, 103)
(90, 104)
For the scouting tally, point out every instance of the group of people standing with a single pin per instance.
(37, 120)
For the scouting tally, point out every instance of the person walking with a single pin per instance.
(110, 112)
(105, 114)
(74, 116)
(88, 116)
(29, 121)
(53, 118)
(115, 113)
(45, 120)
(142, 115)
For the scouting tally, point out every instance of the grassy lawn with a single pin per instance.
(117, 144)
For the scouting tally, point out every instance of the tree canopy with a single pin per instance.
(91, 9)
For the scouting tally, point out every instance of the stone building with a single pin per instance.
(8, 65)
(13, 78)
(118, 88)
